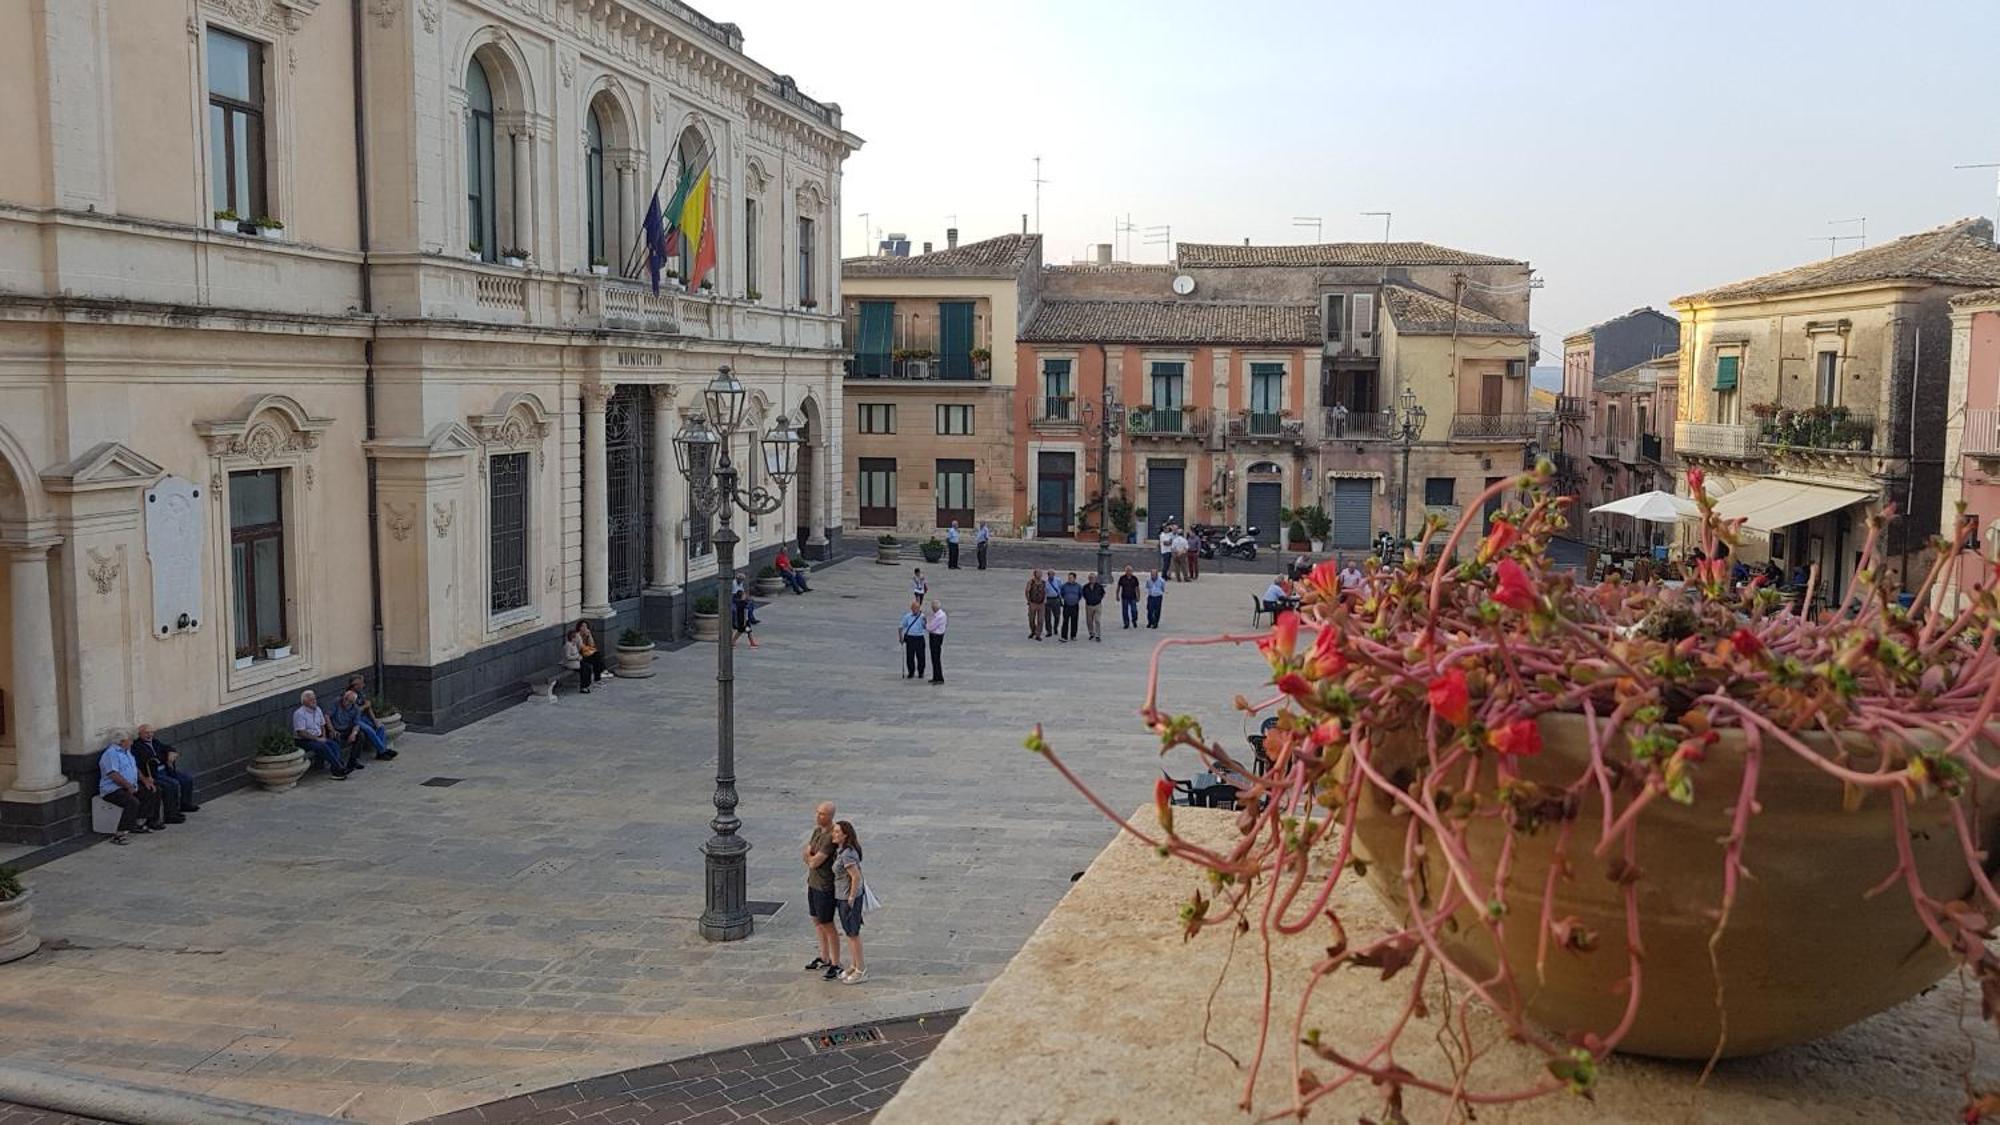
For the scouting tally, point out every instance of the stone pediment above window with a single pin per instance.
(517, 421)
(268, 14)
(446, 439)
(267, 428)
(810, 198)
(106, 465)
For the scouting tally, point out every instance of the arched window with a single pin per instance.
(593, 187)
(481, 191)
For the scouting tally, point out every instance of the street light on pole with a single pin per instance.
(1104, 430)
(1407, 429)
(702, 452)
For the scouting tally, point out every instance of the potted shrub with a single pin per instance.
(1319, 526)
(703, 624)
(246, 655)
(514, 256)
(708, 285)
(279, 762)
(17, 940)
(275, 648)
(1562, 792)
(1764, 410)
(769, 581)
(600, 267)
(933, 549)
(635, 656)
(227, 221)
(269, 227)
(982, 359)
(808, 303)
(1139, 523)
(888, 552)
(389, 715)
(752, 294)
(472, 253)
(1296, 538)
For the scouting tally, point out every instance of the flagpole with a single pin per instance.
(632, 256)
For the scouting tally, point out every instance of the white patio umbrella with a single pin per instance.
(1653, 507)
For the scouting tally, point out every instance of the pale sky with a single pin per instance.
(1631, 153)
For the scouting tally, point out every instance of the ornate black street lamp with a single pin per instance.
(1405, 430)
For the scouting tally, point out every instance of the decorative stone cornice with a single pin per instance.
(270, 15)
(516, 421)
(446, 439)
(106, 465)
(268, 427)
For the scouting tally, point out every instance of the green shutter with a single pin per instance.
(955, 339)
(1725, 372)
(871, 352)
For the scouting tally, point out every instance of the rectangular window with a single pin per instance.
(1364, 315)
(750, 249)
(1826, 379)
(1492, 507)
(954, 492)
(1517, 369)
(877, 491)
(1169, 386)
(806, 290)
(877, 417)
(1057, 396)
(1492, 393)
(1438, 491)
(257, 559)
(954, 420)
(1336, 317)
(235, 125)
(1725, 371)
(1267, 397)
(507, 530)
(1726, 408)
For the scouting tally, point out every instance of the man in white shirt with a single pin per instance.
(119, 782)
(1180, 557)
(313, 734)
(980, 539)
(934, 630)
(1350, 577)
(951, 547)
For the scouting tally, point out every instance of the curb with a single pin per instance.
(109, 1099)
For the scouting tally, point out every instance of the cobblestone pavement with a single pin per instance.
(389, 950)
(11, 1114)
(804, 1079)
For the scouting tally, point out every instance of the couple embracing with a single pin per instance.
(834, 886)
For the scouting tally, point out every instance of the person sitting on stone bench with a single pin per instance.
(793, 576)
(352, 731)
(359, 687)
(119, 782)
(314, 735)
(169, 790)
(166, 767)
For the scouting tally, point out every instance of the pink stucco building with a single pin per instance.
(1972, 445)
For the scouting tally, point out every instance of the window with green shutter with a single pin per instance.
(1725, 372)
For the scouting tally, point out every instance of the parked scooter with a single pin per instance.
(1241, 545)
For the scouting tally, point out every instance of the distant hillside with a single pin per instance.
(1548, 377)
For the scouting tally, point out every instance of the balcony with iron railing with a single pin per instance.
(1982, 434)
(1717, 439)
(1572, 408)
(1340, 424)
(1055, 412)
(1495, 427)
(1639, 449)
(1263, 426)
(1818, 429)
(1168, 422)
(914, 351)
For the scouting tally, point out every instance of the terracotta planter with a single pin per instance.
(634, 663)
(278, 772)
(1805, 954)
(17, 940)
(771, 585)
(887, 554)
(705, 626)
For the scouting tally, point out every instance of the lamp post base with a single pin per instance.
(726, 864)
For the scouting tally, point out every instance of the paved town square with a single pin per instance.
(391, 950)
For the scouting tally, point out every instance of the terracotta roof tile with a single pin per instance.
(1959, 253)
(1172, 322)
(1004, 256)
(1420, 312)
(1210, 255)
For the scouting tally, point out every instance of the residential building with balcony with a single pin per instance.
(1629, 451)
(931, 383)
(1619, 344)
(1816, 397)
(1972, 437)
(328, 353)
(1211, 402)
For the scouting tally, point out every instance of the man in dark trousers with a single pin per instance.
(1128, 599)
(980, 539)
(1053, 604)
(1038, 596)
(912, 632)
(166, 765)
(1072, 597)
(951, 547)
(934, 632)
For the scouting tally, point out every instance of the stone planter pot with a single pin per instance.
(634, 663)
(17, 940)
(277, 652)
(515, 263)
(1806, 952)
(601, 271)
(271, 234)
(889, 554)
(227, 226)
(705, 626)
(392, 725)
(933, 555)
(769, 586)
(243, 662)
(278, 772)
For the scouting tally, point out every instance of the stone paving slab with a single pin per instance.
(11, 1114)
(389, 951)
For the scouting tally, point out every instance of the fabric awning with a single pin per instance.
(1769, 505)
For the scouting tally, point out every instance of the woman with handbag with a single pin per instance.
(851, 898)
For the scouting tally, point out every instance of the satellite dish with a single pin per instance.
(1183, 285)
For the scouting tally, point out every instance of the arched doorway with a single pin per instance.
(811, 482)
(30, 766)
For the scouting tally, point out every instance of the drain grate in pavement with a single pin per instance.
(764, 909)
(442, 782)
(843, 1038)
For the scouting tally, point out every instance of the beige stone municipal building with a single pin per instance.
(321, 351)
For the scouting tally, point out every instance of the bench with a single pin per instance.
(542, 684)
(104, 816)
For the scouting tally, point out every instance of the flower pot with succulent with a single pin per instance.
(600, 267)
(933, 549)
(769, 581)
(473, 253)
(246, 655)
(635, 656)
(1683, 822)
(708, 285)
(752, 294)
(17, 939)
(808, 303)
(275, 648)
(279, 762)
(703, 623)
(888, 551)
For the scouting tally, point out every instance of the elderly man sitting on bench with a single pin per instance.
(314, 735)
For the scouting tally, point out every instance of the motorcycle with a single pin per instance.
(1238, 545)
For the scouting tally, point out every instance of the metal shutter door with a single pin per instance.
(1353, 513)
(1166, 492)
(1265, 500)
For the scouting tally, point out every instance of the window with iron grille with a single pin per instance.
(507, 530)
(877, 417)
(953, 419)
(1438, 492)
(628, 480)
(257, 559)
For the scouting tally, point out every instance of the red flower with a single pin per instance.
(1326, 733)
(1326, 659)
(1325, 577)
(1284, 637)
(1296, 686)
(1503, 536)
(1695, 479)
(1521, 738)
(1163, 803)
(1515, 590)
(1450, 698)
(1744, 641)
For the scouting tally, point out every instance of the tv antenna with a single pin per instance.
(1161, 235)
(1996, 191)
(1382, 215)
(1123, 226)
(1862, 227)
(1312, 221)
(1039, 181)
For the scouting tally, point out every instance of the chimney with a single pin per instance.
(1024, 222)
(951, 238)
(1246, 242)
(927, 247)
(1104, 253)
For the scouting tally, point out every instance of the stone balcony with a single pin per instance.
(1982, 434)
(1717, 439)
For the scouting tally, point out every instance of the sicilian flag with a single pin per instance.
(670, 244)
(656, 243)
(697, 223)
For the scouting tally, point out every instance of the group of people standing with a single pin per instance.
(1179, 555)
(1054, 602)
(922, 633)
(980, 539)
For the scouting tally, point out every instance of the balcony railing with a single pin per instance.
(1167, 422)
(1716, 439)
(880, 366)
(914, 349)
(1056, 410)
(1834, 428)
(1254, 425)
(1649, 448)
(1572, 407)
(1982, 433)
(1355, 425)
(1495, 427)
